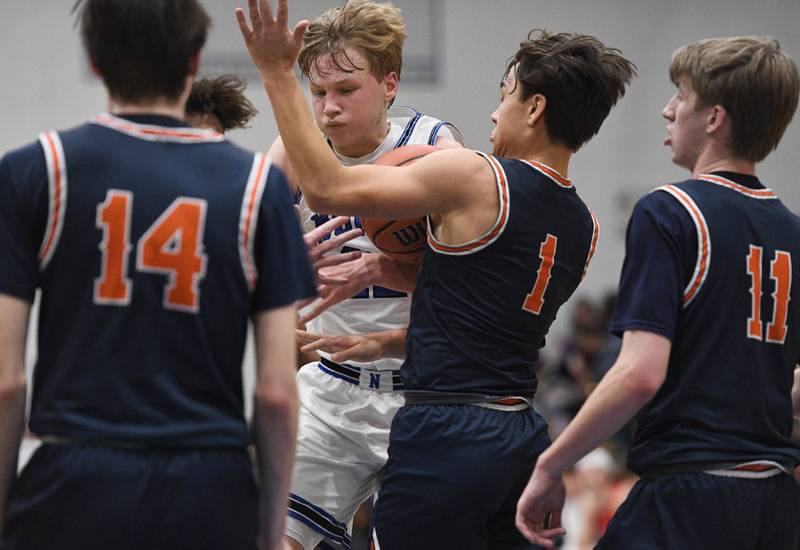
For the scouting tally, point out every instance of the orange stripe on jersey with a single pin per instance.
(552, 173)
(494, 232)
(249, 216)
(157, 133)
(744, 190)
(703, 242)
(57, 183)
(593, 245)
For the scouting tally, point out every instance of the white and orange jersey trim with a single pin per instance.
(744, 190)
(152, 132)
(593, 244)
(57, 195)
(551, 173)
(703, 263)
(494, 232)
(248, 218)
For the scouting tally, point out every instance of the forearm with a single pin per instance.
(275, 421)
(12, 423)
(310, 157)
(393, 343)
(396, 275)
(796, 404)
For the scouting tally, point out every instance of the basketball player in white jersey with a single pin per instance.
(352, 58)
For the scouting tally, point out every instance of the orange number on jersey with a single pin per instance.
(114, 218)
(547, 252)
(780, 271)
(754, 270)
(173, 246)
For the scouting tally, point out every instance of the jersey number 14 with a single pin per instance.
(171, 246)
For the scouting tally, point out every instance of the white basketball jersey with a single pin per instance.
(375, 309)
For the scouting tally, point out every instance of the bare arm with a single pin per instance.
(442, 182)
(14, 314)
(275, 417)
(635, 378)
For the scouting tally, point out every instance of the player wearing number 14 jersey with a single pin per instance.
(153, 245)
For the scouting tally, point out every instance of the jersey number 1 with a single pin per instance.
(547, 252)
(172, 246)
(780, 270)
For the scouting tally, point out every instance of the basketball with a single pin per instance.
(404, 239)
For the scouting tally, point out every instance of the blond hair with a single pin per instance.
(377, 30)
(756, 83)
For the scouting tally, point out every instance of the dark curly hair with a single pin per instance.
(581, 78)
(222, 97)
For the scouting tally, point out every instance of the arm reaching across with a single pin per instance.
(356, 347)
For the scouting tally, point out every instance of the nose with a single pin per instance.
(668, 111)
(331, 108)
(493, 116)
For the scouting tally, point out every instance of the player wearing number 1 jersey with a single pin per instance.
(509, 242)
(708, 304)
(152, 244)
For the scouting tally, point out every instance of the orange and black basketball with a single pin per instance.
(403, 239)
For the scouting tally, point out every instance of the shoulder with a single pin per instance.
(279, 157)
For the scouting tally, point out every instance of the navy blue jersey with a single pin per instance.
(152, 243)
(481, 310)
(713, 264)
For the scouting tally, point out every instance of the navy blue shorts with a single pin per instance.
(708, 512)
(82, 497)
(454, 475)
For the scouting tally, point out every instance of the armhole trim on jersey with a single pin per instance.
(453, 130)
(248, 218)
(57, 195)
(494, 232)
(551, 173)
(152, 132)
(593, 245)
(703, 262)
(408, 130)
(744, 190)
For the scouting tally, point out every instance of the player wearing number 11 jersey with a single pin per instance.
(153, 244)
(708, 304)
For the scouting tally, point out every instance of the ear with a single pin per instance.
(536, 104)
(390, 85)
(93, 67)
(717, 119)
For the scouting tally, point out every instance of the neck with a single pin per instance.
(159, 107)
(554, 156)
(711, 161)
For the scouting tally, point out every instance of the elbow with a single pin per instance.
(319, 201)
(276, 400)
(13, 388)
(642, 382)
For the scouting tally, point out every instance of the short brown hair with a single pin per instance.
(222, 97)
(377, 30)
(142, 48)
(580, 77)
(756, 83)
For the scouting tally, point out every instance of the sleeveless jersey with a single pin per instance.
(481, 309)
(713, 263)
(152, 243)
(376, 308)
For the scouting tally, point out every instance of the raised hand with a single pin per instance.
(539, 509)
(273, 47)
